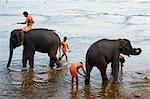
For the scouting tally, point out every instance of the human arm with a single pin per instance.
(68, 48)
(82, 69)
(80, 73)
(21, 22)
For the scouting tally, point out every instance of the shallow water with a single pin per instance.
(83, 22)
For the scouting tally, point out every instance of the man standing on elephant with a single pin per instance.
(29, 21)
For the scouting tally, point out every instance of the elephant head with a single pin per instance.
(14, 42)
(127, 49)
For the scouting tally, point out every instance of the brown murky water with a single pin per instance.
(83, 22)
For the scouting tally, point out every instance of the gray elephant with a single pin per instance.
(105, 51)
(41, 40)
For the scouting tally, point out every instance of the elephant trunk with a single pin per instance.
(136, 51)
(10, 54)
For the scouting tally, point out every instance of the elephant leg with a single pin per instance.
(103, 74)
(88, 71)
(53, 60)
(115, 68)
(31, 60)
(102, 66)
(57, 62)
(24, 60)
(112, 70)
(51, 63)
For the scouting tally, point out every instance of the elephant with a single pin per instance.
(41, 40)
(106, 51)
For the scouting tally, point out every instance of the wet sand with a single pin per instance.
(45, 83)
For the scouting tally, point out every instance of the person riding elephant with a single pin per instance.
(29, 21)
(105, 51)
(41, 40)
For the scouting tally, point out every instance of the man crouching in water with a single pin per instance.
(29, 21)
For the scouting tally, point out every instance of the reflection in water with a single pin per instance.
(32, 78)
(87, 92)
(110, 91)
(28, 81)
(106, 91)
(74, 93)
(42, 83)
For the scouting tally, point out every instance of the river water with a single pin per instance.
(83, 22)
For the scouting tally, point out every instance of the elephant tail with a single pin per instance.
(59, 51)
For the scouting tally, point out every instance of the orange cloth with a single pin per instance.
(26, 29)
(64, 47)
(73, 71)
(29, 21)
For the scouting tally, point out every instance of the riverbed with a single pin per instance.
(83, 22)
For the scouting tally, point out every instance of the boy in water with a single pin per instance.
(74, 70)
(65, 47)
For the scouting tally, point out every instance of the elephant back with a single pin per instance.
(42, 39)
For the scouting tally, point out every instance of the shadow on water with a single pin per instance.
(28, 81)
(34, 83)
(74, 93)
(105, 91)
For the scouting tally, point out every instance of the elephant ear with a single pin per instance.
(16, 39)
(18, 35)
(122, 44)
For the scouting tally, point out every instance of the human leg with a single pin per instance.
(26, 29)
(72, 82)
(77, 82)
(66, 58)
(21, 36)
(61, 57)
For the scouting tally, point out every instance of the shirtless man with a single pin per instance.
(29, 21)
(65, 47)
(74, 70)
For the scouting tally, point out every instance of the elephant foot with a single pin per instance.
(121, 72)
(105, 81)
(51, 65)
(87, 81)
(52, 68)
(24, 69)
(59, 58)
(31, 69)
(60, 64)
(116, 82)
